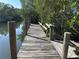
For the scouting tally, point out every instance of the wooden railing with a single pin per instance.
(50, 29)
(12, 36)
(43, 27)
(47, 28)
(26, 26)
(66, 45)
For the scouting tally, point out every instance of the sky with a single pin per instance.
(15, 3)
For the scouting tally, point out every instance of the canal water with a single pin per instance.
(4, 39)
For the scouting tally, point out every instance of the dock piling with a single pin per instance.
(66, 44)
(12, 37)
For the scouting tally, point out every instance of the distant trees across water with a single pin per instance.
(8, 13)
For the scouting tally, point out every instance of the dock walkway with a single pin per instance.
(35, 47)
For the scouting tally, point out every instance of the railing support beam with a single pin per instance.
(52, 27)
(26, 27)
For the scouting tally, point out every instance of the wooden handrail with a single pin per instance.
(42, 26)
(47, 25)
(46, 28)
(74, 43)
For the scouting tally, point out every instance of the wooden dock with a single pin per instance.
(35, 47)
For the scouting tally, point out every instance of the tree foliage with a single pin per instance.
(26, 8)
(64, 14)
(53, 11)
(8, 13)
(28, 11)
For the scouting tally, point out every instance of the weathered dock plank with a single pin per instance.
(34, 47)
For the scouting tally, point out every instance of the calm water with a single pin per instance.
(4, 40)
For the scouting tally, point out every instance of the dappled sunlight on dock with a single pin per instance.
(35, 47)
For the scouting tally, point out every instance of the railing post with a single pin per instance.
(66, 44)
(47, 32)
(52, 32)
(12, 37)
(26, 26)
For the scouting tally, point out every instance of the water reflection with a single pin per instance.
(4, 39)
(3, 29)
